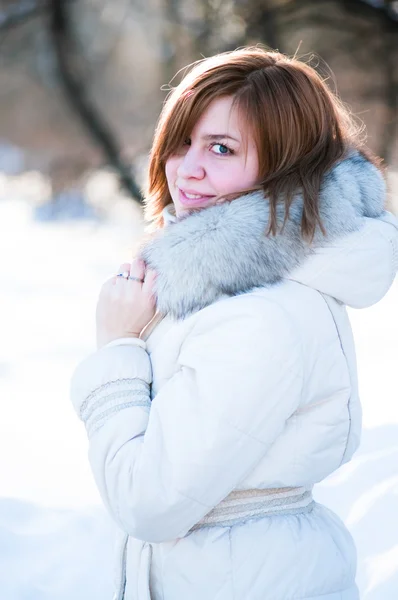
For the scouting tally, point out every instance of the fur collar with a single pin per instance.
(222, 250)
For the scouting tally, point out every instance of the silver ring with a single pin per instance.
(125, 274)
(136, 279)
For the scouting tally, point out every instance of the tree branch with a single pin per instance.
(77, 97)
(19, 13)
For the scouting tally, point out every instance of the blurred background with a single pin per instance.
(82, 83)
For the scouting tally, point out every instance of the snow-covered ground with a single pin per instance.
(55, 538)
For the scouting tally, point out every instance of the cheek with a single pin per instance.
(235, 179)
(170, 170)
(247, 175)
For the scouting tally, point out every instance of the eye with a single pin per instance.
(222, 149)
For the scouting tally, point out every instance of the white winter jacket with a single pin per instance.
(248, 383)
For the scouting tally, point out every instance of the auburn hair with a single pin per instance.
(300, 127)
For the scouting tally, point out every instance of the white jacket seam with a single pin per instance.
(349, 375)
(232, 563)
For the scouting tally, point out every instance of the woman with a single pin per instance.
(224, 385)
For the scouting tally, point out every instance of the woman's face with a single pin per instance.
(214, 160)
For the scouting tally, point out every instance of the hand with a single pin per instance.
(125, 306)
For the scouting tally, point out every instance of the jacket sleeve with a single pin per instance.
(161, 466)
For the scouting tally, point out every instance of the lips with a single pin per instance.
(191, 198)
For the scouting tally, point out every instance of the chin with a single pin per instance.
(185, 212)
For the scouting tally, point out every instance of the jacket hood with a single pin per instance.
(357, 269)
(223, 250)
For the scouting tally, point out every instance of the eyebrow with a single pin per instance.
(219, 136)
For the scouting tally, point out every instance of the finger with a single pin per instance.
(124, 268)
(138, 268)
(149, 283)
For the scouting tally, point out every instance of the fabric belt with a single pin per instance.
(242, 505)
(237, 508)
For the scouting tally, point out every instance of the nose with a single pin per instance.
(191, 165)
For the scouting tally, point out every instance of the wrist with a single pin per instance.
(126, 341)
(104, 340)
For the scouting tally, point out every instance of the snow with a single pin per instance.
(56, 540)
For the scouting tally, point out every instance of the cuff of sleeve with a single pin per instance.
(110, 365)
(127, 341)
(109, 399)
